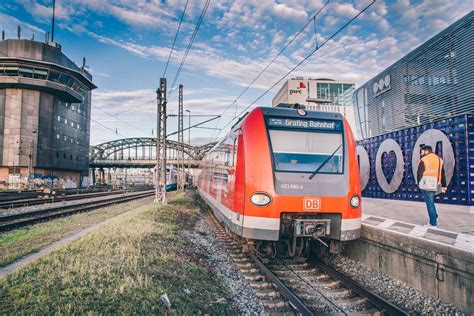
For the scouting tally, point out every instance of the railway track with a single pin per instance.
(25, 202)
(301, 286)
(12, 221)
(10, 196)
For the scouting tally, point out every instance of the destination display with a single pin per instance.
(326, 125)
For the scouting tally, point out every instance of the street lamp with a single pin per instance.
(189, 127)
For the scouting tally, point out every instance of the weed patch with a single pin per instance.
(124, 267)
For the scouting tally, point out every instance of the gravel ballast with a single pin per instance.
(203, 237)
(398, 292)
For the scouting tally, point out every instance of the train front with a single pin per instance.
(302, 176)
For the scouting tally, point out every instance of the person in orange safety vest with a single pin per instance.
(431, 179)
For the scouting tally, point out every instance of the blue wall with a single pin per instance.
(460, 132)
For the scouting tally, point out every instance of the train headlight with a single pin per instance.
(355, 201)
(260, 199)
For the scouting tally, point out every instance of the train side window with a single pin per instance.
(234, 156)
(228, 149)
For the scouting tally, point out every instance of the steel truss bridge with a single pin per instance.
(141, 153)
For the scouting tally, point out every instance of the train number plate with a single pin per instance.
(312, 204)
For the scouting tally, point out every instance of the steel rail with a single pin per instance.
(9, 196)
(385, 306)
(55, 199)
(288, 294)
(23, 219)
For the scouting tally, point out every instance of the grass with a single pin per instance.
(124, 267)
(20, 242)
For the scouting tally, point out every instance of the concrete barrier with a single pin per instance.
(441, 270)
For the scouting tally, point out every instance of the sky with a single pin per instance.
(127, 43)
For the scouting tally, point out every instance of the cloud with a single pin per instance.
(285, 12)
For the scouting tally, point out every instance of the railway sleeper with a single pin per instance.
(355, 301)
(274, 304)
(292, 266)
(253, 277)
(301, 273)
(261, 285)
(314, 279)
(249, 270)
(267, 293)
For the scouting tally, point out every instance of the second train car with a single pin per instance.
(287, 175)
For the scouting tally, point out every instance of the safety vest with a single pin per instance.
(433, 166)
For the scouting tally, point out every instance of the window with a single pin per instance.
(57, 136)
(25, 72)
(65, 120)
(234, 159)
(73, 107)
(59, 118)
(64, 156)
(40, 74)
(54, 76)
(302, 151)
(65, 138)
(11, 70)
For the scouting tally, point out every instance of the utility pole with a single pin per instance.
(189, 127)
(160, 189)
(181, 171)
(30, 164)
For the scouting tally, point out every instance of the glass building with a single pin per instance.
(321, 94)
(433, 82)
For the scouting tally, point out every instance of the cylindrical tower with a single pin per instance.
(45, 108)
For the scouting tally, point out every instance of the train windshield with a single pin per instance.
(304, 151)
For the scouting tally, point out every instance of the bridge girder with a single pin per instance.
(105, 150)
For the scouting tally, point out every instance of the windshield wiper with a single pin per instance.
(324, 162)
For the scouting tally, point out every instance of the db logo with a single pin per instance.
(312, 203)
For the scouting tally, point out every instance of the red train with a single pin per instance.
(284, 174)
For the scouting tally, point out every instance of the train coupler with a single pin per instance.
(315, 228)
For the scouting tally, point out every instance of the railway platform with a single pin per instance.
(454, 218)
(437, 261)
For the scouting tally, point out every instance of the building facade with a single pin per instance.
(45, 107)
(320, 95)
(433, 82)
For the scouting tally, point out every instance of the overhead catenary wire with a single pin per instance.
(175, 37)
(23, 101)
(188, 48)
(313, 18)
(301, 62)
(80, 114)
(123, 121)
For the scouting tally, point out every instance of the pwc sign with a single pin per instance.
(313, 204)
(298, 90)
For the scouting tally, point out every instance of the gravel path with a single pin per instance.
(406, 297)
(204, 238)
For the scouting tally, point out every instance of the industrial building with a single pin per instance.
(435, 81)
(45, 108)
(321, 95)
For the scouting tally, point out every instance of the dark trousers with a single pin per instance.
(430, 205)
